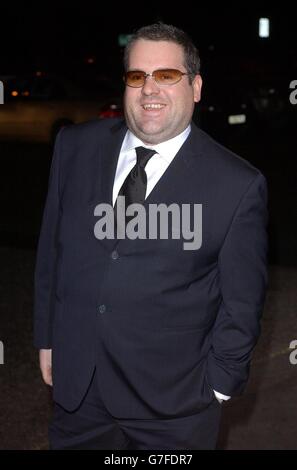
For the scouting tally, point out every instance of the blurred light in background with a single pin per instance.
(264, 27)
(90, 60)
(123, 39)
(1, 93)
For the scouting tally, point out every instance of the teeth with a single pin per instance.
(153, 106)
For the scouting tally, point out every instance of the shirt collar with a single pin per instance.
(166, 150)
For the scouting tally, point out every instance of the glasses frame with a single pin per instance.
(152, 75)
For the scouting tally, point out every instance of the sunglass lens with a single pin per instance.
(135, 79)
(167, 77)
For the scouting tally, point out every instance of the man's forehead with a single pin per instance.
(146, 47)
(155, 53)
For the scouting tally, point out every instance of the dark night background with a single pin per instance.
(79, 42)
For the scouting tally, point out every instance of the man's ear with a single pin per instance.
(197, 85)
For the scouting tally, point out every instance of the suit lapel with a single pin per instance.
(110, 150)
(173, 184)
(109, 161)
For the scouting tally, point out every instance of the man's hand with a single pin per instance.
(45, 364)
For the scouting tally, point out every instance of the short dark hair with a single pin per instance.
(165, 32)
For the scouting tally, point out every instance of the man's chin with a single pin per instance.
(152, 135)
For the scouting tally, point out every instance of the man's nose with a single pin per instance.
(150, 86)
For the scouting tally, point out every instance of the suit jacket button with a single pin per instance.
(115, 254)
(102, 308)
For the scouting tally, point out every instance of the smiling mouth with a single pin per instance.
(153, 106)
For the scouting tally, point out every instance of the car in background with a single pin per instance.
(36, 107)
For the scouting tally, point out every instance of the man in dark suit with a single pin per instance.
(142, 338)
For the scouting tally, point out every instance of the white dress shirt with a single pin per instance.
(156, 166)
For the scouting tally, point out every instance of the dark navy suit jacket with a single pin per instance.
(163, 326)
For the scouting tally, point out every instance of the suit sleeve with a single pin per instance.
(45, 268)
(243, 280)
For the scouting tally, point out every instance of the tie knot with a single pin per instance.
(143, 155)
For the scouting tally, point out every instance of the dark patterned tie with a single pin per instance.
(134, 186)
